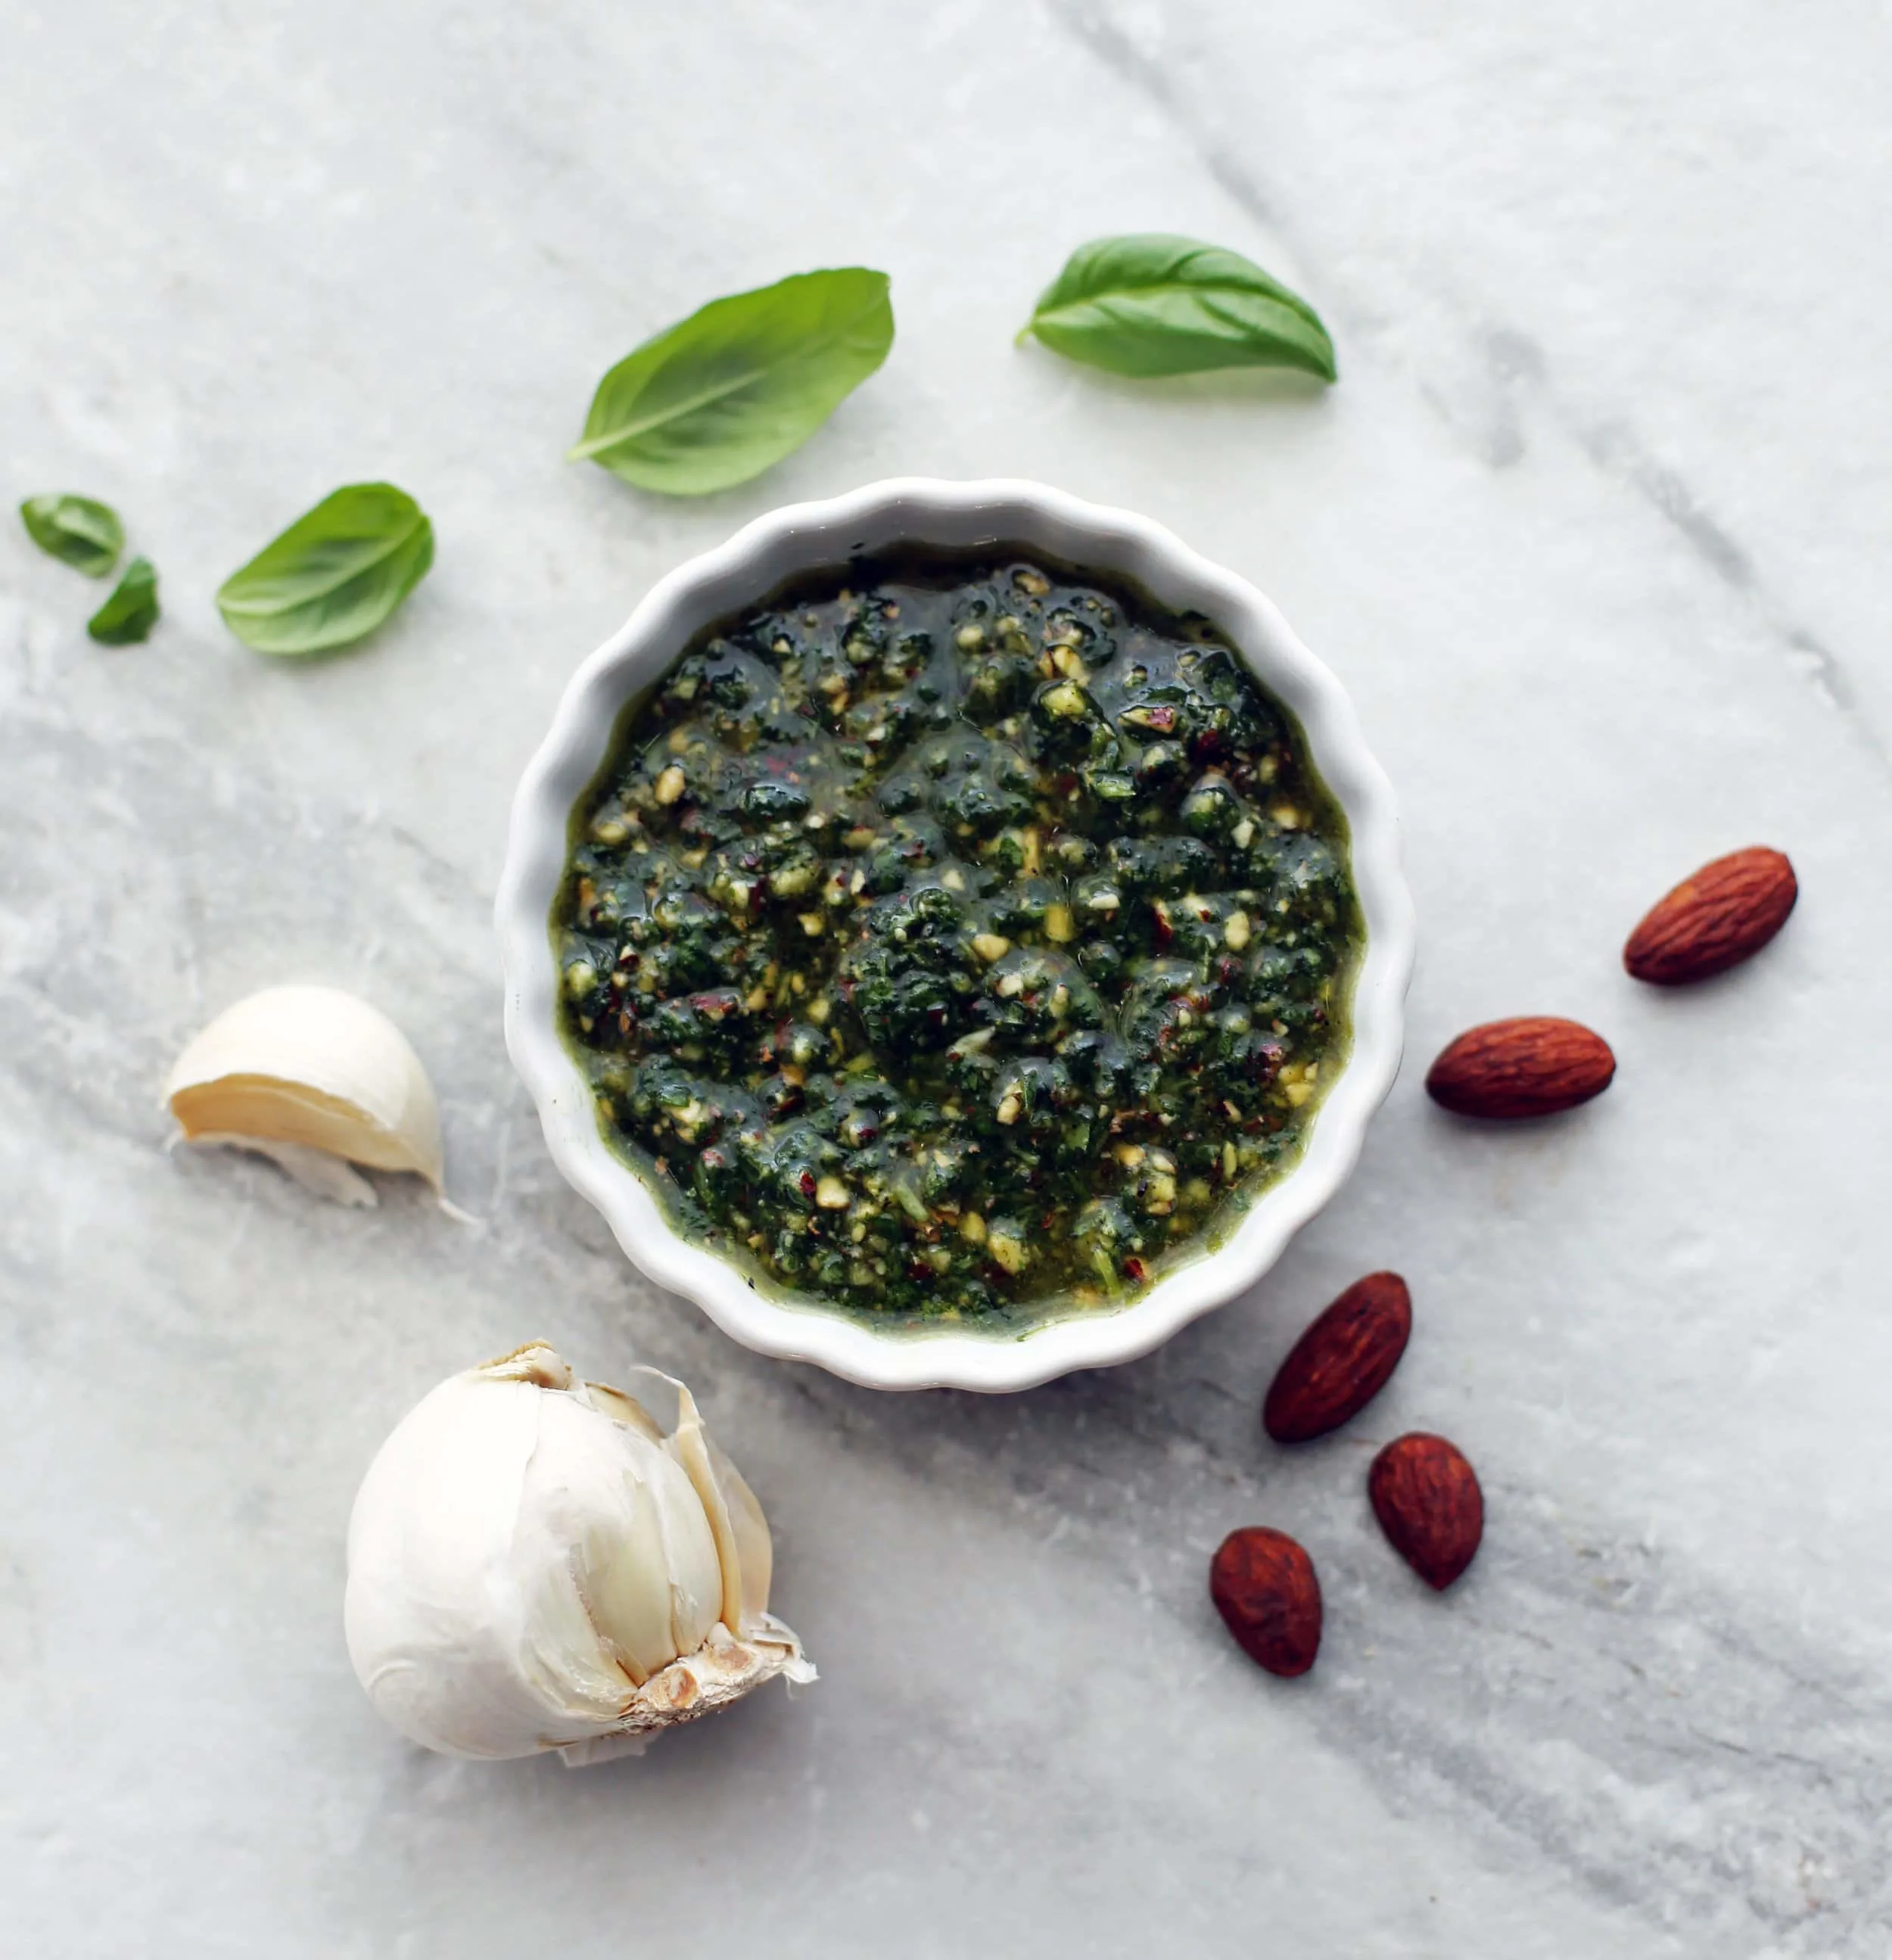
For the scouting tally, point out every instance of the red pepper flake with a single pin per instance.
(806, 1180)
(1133, 1270)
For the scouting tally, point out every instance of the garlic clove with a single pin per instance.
(622, 1583)
(755, 1551)
(434, 1516)
(689, 1446)
(295, 1071)
(532, 1565)
(743, 1543)
(632, 1557)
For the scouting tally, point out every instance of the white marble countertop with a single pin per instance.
(1594, 530)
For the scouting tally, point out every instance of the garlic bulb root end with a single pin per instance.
(723, 1670)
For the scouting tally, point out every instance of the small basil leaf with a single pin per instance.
(1150, 305)
(333, 576)
(131, 613)
(76, 530)
(717, 399)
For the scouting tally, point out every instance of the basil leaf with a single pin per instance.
(717, 399)
(333, 576)
(1150, 305)
(131, 613)
(76, 530)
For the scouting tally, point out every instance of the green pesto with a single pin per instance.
(958, 940)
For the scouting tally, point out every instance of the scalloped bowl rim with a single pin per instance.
(916, 510)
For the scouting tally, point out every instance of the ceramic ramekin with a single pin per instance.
(919, 511)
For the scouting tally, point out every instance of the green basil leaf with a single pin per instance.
(717, 399)
(333, 576)
(131, 613)
(76, 530)
(1150, 305)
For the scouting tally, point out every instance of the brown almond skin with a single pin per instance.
(1345, 1357)
(1264, 1585)
(1534, 1066)
(1723, 914)
(1426, 1497)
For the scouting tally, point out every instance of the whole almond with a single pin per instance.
(1533, 1066)
(1345, 1357)
(1264, 1585)
(1426, 1497)
(1723, 914)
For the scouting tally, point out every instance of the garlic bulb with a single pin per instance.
(310, 1077)
(533, 1564)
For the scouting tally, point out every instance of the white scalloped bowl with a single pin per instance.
(914, 511)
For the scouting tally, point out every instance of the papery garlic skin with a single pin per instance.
(306, 1074)
(534, 1564)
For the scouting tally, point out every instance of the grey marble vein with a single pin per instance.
(1515, 361)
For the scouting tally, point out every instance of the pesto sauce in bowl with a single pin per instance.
(955, 939)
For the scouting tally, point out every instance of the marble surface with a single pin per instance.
(1594, 530)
